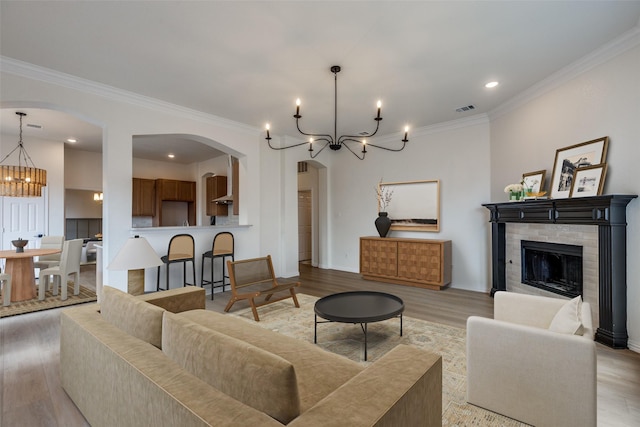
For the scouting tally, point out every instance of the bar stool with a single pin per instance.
(222, 247)
(181, 249)
(5, 285)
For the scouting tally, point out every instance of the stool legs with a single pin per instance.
(213, 282)
(184, 274)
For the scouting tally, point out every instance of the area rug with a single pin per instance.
(50, 301)
(348, 340)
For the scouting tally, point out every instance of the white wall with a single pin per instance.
(151, 169)
(80, 204)
(455, 153)
(83, 170)
(603, 101)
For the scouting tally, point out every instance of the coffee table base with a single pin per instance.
(362, 325)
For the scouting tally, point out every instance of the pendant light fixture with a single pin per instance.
(333, 141)
(24, 180)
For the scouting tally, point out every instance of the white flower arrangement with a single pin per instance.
(384, 196)
(513, 188)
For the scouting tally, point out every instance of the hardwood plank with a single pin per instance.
(31, 393)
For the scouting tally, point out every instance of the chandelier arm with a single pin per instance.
(345, 137)
(353, 152)
(313, 156)
(323, 136)
(284, 148)
(404, 142)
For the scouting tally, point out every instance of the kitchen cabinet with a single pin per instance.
(216, 187)
(177, 191)
(144, 197)
(171, 190)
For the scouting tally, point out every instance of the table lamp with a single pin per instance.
(136, 255)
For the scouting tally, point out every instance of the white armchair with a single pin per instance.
(518, 368)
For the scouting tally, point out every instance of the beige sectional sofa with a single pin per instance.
(161, 359)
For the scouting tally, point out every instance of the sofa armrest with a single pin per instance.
(531, 310)
(177, 300)
(402, 388)
(530, 374)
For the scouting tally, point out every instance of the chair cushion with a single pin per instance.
(247, 373)
(568, 320)
(135, 317)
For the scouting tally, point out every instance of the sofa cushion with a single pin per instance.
(319, 372)
(568, 320)
(247, 373)
(135, 317)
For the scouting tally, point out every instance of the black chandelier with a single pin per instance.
(333, 141)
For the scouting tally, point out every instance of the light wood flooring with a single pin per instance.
(31, 395)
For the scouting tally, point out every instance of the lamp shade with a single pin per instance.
(135, 254)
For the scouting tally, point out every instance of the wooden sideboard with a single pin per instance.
(413, 262)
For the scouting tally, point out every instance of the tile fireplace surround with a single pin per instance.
(597, 223)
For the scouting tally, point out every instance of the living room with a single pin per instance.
(474, 157)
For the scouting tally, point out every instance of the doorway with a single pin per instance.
(305, 227)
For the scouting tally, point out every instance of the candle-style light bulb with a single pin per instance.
(406, 132)
(379, 107)
(268, 127)
(297, 107)
(310, 144)
(364, 145)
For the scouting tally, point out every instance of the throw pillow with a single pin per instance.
(135, 317)
(249, 374)
(568, 320)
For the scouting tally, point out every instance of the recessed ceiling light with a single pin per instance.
(72, 140)
(171, 156)
(491, 84)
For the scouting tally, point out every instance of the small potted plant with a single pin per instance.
(515, 191)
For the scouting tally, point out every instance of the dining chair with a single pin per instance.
(222, 247)
(69, 265)
(5, 287)
(46, 261)
(181, 249)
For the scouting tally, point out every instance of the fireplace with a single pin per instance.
(553, 267)
(608, 214)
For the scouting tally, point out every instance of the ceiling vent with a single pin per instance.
(31, 125)
(465, 108)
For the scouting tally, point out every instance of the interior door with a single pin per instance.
(23, 217)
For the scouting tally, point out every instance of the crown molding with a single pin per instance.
(476, 119)
(627, 41)
(35, 72)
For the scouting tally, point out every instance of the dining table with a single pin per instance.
(20, 266)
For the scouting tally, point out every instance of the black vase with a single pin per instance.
(383, 224)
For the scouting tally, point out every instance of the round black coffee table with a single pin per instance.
(361, 307)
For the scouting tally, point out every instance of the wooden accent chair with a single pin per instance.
(252, 278)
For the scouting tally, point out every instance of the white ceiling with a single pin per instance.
(247, 61)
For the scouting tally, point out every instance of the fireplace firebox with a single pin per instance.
(553, 267)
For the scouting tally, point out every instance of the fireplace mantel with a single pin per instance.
(609, 214)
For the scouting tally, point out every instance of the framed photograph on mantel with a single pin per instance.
(570, 158)
(588, 181)
(534, 181)
(415, 205)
